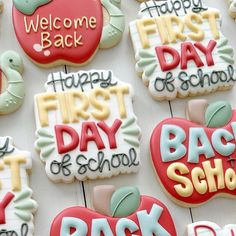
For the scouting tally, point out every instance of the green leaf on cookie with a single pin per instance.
(28, 7)
(218, 114)
(125, 201)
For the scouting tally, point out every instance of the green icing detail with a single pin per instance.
(43, 142)
(227, 59)
(47, 151)
(134, 142)
(116, 2)
(223, 42)
(125, 201)
(44, 133)
(128, 122)
(26, 193)
(12, 67)
(227, 50)
(150, 70)
(27, 205)
(112, 33)
(132, 131)
(218, 114)
(146, 54)
(28, 7)
(145, 62)
(24, 215)
(24, 205)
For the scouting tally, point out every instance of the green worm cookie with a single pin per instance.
(12, 67)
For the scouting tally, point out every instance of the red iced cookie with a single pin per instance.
(195, 160)
(130, 214)
(66, 32)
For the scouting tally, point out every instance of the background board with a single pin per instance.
(53, 198)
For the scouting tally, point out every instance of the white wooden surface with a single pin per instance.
(53, 198)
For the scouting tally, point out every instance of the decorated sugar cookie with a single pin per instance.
(51, 35)
(129, 214)
(206, 228)
(195, 159)
(180, 50)
(86, 127)
(16, 205)
(12, 90)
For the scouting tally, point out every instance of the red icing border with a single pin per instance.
(60, 8)
(88, 215)
(161, 167)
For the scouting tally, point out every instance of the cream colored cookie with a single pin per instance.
(17, 205)
(86, 127)
(180, 50)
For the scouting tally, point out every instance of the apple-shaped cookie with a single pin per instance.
(151, 217)
(51, 35)
(196, 162)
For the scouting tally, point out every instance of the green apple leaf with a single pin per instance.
(218, 114)
(125, 201)
(28, 7)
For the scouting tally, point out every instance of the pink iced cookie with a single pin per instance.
(51, 35)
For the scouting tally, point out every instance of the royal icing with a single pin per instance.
(232, 8)
(86, 127)
(16, 205)
(194, 162)
(206, 228)
(11, 82)
(180, 49)
(52, 36)
(151, 217)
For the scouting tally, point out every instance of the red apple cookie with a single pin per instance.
(195, 159)
(56, 32)
(130, 214)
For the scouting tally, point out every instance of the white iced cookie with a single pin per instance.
(206, 228)
(16, 205)
(180, 50)
(86, 127)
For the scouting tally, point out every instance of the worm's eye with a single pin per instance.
(10, 60)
